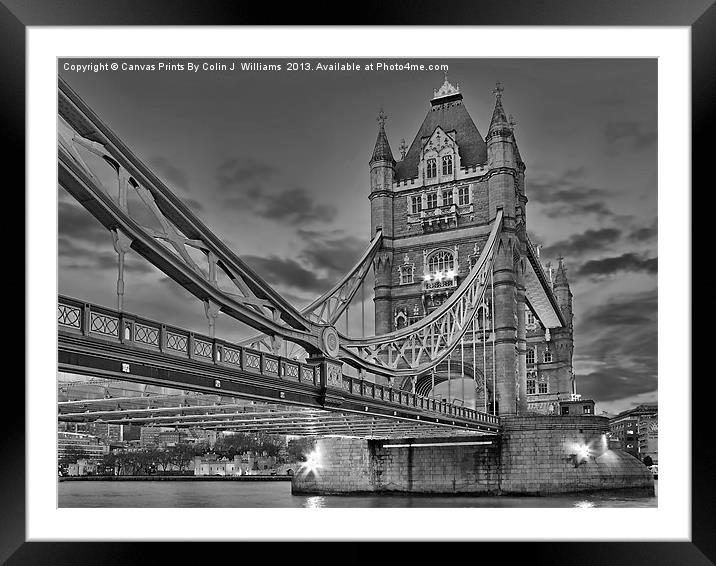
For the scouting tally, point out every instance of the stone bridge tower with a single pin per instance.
(435, 207)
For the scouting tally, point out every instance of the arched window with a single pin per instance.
(441, 261)
(530, 356)
(547, 356)
(432, 169)
(447, 165)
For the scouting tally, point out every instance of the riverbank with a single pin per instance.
(173, 478)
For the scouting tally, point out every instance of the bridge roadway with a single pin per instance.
(284, 396)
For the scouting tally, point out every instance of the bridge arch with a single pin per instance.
(422, 384)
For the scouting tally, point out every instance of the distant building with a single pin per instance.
(648, 432)
(247, 463)
(131, 432)
(148, 436)
(71, 446)
(200, 436)
(168, 438)
(110, 433)
(624, 428)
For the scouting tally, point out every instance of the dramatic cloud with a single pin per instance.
(629, 133)
(242, 171)
(176, 179)
(644, 234)
(612, 265)
(579, 244)
(288, 273)
(254, 186)
(618, 343)
(75, 223)
(567, 195)
(334, 253)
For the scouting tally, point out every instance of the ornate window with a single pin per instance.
(407, 271)
(547, 356)
(432, 200)
(530, 318)
(431, 168)
(447, 165)
(416, 204)
(416, 316)
(463, 196)
(530, 356)
(406, 274)
(447, 197)
(441, 261)
(531, 383)
(542, 387)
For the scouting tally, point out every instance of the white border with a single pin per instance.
(670, 521)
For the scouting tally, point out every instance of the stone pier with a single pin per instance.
(535, 455)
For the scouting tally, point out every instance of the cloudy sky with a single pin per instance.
(276, 164)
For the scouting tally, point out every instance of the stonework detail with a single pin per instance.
(334, 375)
(538, 455)
(443, 195)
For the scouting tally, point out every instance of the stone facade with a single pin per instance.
(435, 208)
(536, 455)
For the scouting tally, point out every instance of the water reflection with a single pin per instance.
(315, 502)
(239, 494)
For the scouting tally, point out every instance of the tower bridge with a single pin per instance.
(462, 302)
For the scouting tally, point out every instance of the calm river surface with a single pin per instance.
(278, 494)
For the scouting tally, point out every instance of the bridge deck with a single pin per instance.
(95, 341)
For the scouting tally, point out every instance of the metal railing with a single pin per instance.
(96, 321)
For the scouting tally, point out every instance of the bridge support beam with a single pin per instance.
(505, 321)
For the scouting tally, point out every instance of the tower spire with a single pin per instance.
(499, 118)
(382, 151)
(560, 279)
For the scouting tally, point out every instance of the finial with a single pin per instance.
(497, 91)
(445, 73)
(512, 121)
(382, 117)
(561, 261)
(403, 148)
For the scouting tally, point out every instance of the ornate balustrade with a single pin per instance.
(95, 321)
(99, 322)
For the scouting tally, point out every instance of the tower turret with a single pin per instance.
(501, 161)
(563, 293)
(564, 337)
(382, 173)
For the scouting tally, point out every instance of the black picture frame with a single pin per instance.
(699, 15)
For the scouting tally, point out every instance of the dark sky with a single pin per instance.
(276, 164)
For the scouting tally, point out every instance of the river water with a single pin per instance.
(278, 494)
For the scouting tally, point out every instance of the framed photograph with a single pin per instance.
(360, 283)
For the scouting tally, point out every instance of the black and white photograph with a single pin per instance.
(357, 282)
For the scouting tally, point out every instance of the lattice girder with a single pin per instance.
(426, 343)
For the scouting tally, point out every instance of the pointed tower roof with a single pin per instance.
(499, 120)
(382, 151)
(560, 279)
(448, 112)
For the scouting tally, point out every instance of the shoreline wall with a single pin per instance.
(535, 455)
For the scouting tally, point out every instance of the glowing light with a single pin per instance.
(427, 277)
(438, 276)
(312, 463)
(451, 274)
